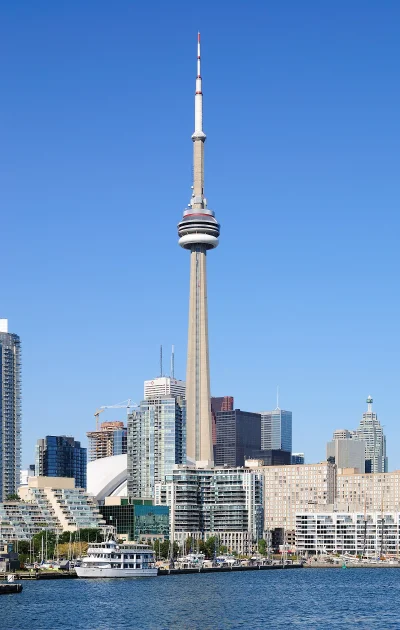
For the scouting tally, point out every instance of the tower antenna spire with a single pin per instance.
(161, 361)
(173, 362)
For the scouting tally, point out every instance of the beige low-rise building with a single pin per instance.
(291, 489)
(373, 491)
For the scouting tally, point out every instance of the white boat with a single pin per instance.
(111, 560)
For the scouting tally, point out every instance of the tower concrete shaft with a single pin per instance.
(198, 232)
(198, 419)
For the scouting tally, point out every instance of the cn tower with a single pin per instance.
(198, 232)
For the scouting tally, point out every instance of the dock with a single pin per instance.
(259, 567)
(6, 589)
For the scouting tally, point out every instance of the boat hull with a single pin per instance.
(97, 572)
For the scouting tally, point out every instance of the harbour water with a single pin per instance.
(312, 599)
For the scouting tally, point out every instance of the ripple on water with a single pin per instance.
(299, 599)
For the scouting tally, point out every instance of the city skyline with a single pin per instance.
(302, 173)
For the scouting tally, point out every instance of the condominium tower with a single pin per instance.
(198, 232)
(10, 411)
(156, 442)
(61, 456)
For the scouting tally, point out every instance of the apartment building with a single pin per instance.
(298, 488)
(371, 534)
(221, 502)
(52, 503)
(376, 491)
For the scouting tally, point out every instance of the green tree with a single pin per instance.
(262, 546)
(82, 535)
(13, 497)
(163, 549)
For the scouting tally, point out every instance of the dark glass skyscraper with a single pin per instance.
(10, 411)
(238, 437)
(61, 456)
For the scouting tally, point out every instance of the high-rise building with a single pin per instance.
(298, 458)
(109, 440)
(223, 502)
(219, 403)
(343, 434)
(291, 489)
(379, 491)
(61, 456)
(371, 431)
(164, 386)
(238, 437)
(156, 442)
(347, 453)
(10, 411)
(198, 232)
(276, 430)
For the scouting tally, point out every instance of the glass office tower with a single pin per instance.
(276, 430)
(10, 411)
(156, 441)
(61, 456)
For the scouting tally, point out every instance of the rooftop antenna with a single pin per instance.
(173, 362)
(277, 396)
(161, 366)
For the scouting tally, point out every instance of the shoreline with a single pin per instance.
(53, 575)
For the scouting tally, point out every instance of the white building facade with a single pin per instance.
(372, 534)
(164, 386)
(221, 502)
(51, 503)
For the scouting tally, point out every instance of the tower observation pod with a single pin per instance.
(198, 232)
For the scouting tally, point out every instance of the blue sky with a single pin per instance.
(301, 105)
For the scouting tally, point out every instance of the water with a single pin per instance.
(299, 599)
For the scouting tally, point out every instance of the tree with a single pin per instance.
(163, 549)
(13, 497)
(262, 546)
(83, 535)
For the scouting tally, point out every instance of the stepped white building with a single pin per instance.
(51, 503)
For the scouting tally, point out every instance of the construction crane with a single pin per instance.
(96, 415)
(125, 404)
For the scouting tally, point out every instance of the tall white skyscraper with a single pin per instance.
(371, 431)
(164, 386)
(198, 232)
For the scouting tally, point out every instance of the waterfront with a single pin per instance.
(276, 599)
